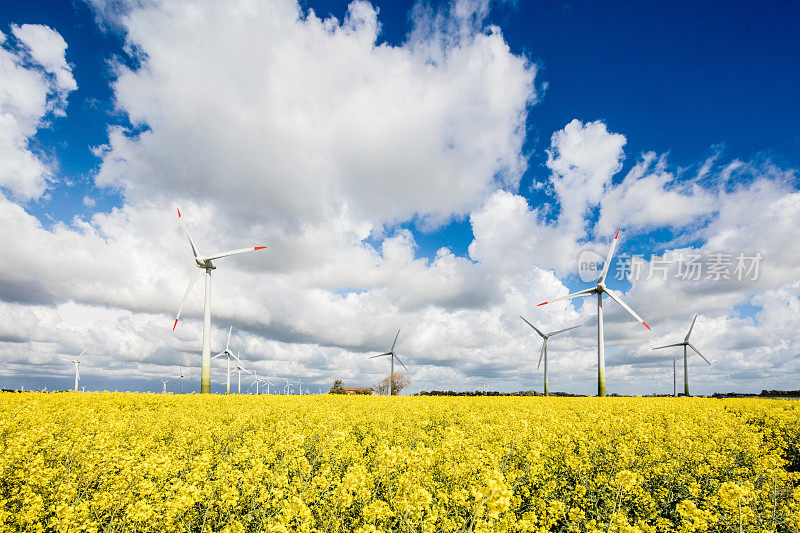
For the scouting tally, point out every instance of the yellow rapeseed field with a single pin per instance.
(147, 462)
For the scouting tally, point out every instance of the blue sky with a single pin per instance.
(700, 84)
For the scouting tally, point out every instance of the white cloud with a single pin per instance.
(36, 82)
(378, 131)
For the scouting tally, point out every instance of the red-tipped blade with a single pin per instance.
(537, 305)
(617, 235)
(259, 247)
(645, 325)
(179, 212)
(175, 324)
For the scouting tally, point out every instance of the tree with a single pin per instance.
(337, 387)
(394, 384)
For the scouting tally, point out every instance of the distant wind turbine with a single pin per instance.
(238, 370)
(599, 290)
(257, 381)
(228, 354)
(392, 356)
(180, 376)
(545, 337)
(288, 388)
(686, 343)
(76, 362)
(204, 264)
(164, 388)
(269, 383)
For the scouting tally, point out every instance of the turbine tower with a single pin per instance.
(686, 344)
(76, 362)
(204, 264)
(599, 290)
(545, 337)
(392, 356)
(228, 354)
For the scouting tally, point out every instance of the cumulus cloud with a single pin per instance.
(307, 118)
(36, 82)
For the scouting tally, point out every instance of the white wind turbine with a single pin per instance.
(300, 385)
(685, 343)
(257, 381)
(164, 388)
(228, 354)
(269, 383)
(238, 369)
(599, 290)
(76, 362)
(180, 376)
(392, 356)
(288, 388)
(204, 264)
(545, 337)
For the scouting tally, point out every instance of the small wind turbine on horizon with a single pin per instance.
(685, 344)
(181, 375)
(164, 388)
(545, 338)
(238, 369)
(76, 362)
(392, 356)
(204, 264)
(228, 354)
(257, 381)
(288, 388)
(599, 290)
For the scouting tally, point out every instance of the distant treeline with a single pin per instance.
(491, 393)
(764, 394)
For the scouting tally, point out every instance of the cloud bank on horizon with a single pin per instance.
(266, 123)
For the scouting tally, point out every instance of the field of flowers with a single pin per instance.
(146, 462)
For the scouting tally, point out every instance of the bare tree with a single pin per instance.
(394, 384)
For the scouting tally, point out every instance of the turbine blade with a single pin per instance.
(698, 353)
(228, 342)
(192, 281)
(584, 292)
(395, 340)
(607, 264)
(534, 327)
(186, 231)
(399, 361)
(669, 346)
(563, 330)
(77, 373)
(616, 297)
(541, 355)
(220, 353)
(381, 355)
(234, 252)
(83, 352)
(690, 329)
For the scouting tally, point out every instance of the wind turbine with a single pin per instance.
(238, 371)
(257, 381)
(76, 362)
(269, 383)
(392, 356)
(300, 385)
(228, 354)
(599, 290)
(288, 388)
(181, 376)
(204, 264)
(545, 337)
(164, 388)
(686, 343)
